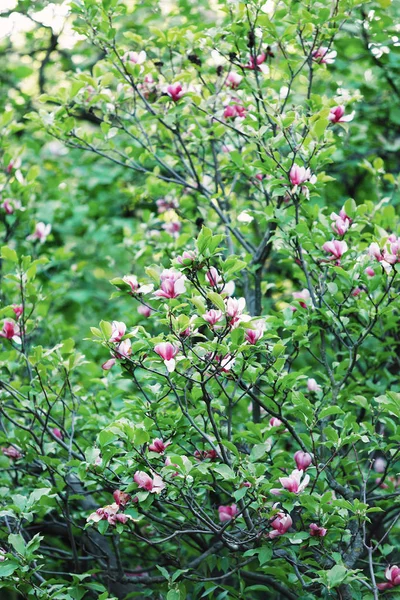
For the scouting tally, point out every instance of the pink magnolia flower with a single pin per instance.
(233, 80)
(12, 453)
(58, 433)
(213, 277)
(124, 350)
(106, 366)
(337, 115)
(341, 222)
(226, 362)
(18, 310)
(168, 463)
(370, 272)
(303, 460)
(302, 296)
(121, 498)
(10, 206)
(41, 232)
(293, 483)
(299, 175)
(323, 56)
(137, 58)
(204, 454)
(281, 524)
(164, 204)
(109, 513)
(11, 331)
(175, 91)
(226, 513)
(172, 284)
(118, 331)
(186, 256)
(172, 227)
(379, 465)
(254, 63)
(253, 335)
(317, 531)
(275, 422)
(158, 446)
(312, 385)
(215, 280)
(336, 248)
(144, 310)
(234, 309)
(167, 351)
(234, 110)
(392, 574)
(213, 316)
(132, 281)
(154, 485)
(357, 291)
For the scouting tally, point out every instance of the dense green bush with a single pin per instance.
(199, 388)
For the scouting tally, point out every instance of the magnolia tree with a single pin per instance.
(237, 433)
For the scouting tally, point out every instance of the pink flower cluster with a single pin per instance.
(11, 331)
(234, 110)
(12, 453)
(389, 254)
(154, 485)
(341, 222)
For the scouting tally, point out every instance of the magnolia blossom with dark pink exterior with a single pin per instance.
(136, 58)
(302, 459)
(144, 310)
(226, 513)
(121, 498)
(124, 350)
(389, 254)
(317, 531)
(167, 352)
(158, 446)
(233, 80)
(175, 91)
(392, 574)
(132, 281)
(109, 513)
(299, 175)
(186, 257)
(172, 227)
(275, 422)
(337, 115)
(324, 55)
(312, 385)
(369, 271)
(253, 335)
(281, 523)
(225, 362)
(295, 483)
(18, 310)
(154, 485)
(172, 284)
(341, 222)
(255, 62)
(336, 248)
(216, 281)
(118, 330)
(11, 331)
(213, 316)
(10, 206)
(12, 453)
(41, 232)
(234, 310)
(232, 111)
(58, 433)
(106, 366)
(205, 454)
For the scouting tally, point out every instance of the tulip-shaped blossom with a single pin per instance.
(204, 454)
(175, 91)
(137, 58)
(299, 175)
(12, 453)
(41, 232)
(226, 362)
(253, 335)
(121, 498)
(118, 331)
(303, 297)
(392, 574)
(124, 350)
(172, 227)
(109, 513)
(144, 310)
(324, 56)
(213, 277)
(302, 459)
(370, 272)
(10, 206)
(293, 483)
(215, 280)
(186, 257)
(226, 513)
(106, 366)
(312, 385)
(158, 446)
(232, 111)
(234, 309)
(255, 62)
(11, 331)
(281, 524)
(154, 485)
(18, 310)
(167, 351)
(132, 281)
(172, 284)
(213, 316)
(337, 115)
(58, 433)
(275, 422)
(336, 248)
(233, 80)
(341, 222)
(317, 531)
